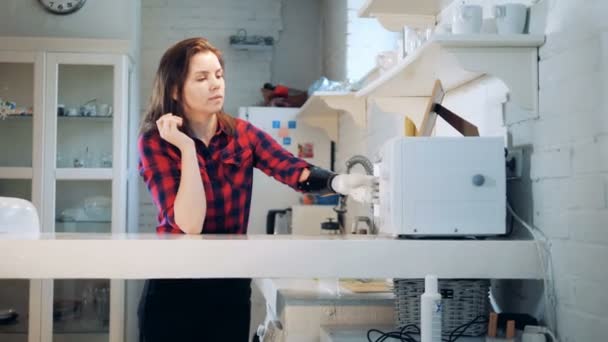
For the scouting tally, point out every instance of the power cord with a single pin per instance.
(546, 265)
(455, 335)
(404, 335)
(401, 334)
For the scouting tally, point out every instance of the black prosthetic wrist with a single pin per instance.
(318, 182)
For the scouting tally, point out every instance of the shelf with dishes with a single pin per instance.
(85, 118)
(96, 118)
(458, 59)
(80, 317)
(322, 109)
(84, 213)
(83, 226)
(83, 173)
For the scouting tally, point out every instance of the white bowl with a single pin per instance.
(98, 208)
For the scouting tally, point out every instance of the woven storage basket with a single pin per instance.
(463, 300)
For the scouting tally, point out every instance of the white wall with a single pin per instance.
(565, 187)
(297, 56)
(566, 192)
(334, 15)
(108, 19)
(166, 22)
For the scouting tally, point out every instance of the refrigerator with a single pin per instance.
(307, 142)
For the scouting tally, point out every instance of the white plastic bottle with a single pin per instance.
(431, 310)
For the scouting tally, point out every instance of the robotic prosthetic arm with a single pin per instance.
(361, 188)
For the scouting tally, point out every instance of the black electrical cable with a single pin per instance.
(391, 334)
(464, 327)
(405, 336)
(401, 335)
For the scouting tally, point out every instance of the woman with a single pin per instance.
(197, 163)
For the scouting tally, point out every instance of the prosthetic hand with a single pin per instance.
(361, 188)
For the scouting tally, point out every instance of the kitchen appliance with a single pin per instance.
(298, 138)
(442, 186)
(278, 221)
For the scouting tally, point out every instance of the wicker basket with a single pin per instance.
(463, 301)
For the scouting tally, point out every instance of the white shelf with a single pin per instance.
(86, 118)
(97, 118)
(458, 59)
(252, 47)
(17, 117)
(80, 256)
(8, 172)
(372, 8)
(83, 174)
(394, 14)
(322, 109)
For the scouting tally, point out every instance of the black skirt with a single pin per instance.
(193, 310)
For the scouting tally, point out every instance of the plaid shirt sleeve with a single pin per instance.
(159, 165)
(274, 160)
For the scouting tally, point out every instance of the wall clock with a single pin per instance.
(62, 6)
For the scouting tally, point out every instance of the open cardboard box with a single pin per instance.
(434, 109)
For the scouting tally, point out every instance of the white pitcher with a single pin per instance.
(510, 18)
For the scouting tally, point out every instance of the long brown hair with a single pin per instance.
(170, 76)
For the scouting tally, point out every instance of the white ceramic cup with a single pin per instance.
(467, 19)
(71, 111)
(510, 18)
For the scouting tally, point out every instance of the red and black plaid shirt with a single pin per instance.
(227, 172)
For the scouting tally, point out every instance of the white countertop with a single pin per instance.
(138, 256)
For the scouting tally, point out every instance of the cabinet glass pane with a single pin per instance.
(14, 294)
(16, 106)
(85, 113)
(21, 188)
(81, 308)
(14, 309)
(84, 206)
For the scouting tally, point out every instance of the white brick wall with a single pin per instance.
(165, 22)
(569, 143)
(565, 187)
